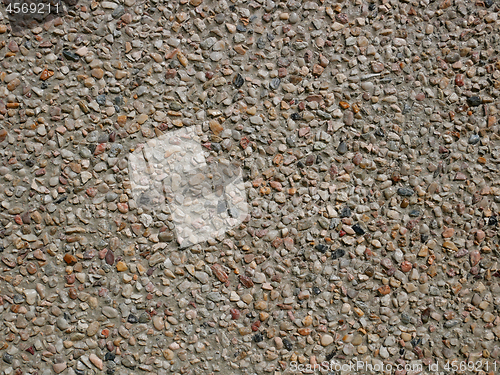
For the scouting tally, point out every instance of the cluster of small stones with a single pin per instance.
(368, 134)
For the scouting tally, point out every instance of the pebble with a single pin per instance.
(59, 367)
(326, 340)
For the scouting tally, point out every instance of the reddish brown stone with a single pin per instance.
(314, 98)
(318, 70)
(110, 257)
(70, 259)
(170, 73)
(246, 281)
(3, 135)
(235, 314)
(219, 273)
(46, 74)
(406, 266)
(385, 289)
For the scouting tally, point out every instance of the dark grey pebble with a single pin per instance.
(7, 358)
(414, 213)
(118, 12)
(405, 192)
(238, 81)
(346, 212)
(321, 248)
(275, 83)
(474, 138)
(339, 253)
(342, 149)
(474, 101)
(144, 318)
(101, 99)
(70, 55)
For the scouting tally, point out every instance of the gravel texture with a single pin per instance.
(368, 139)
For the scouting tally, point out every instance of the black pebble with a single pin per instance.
(424, 238)
(62, 199)
(492, 221)
(258, 337)
(321, 248)
(287, 344)
(30, 162)
(358, 229)
(70, 55)
(474, 101)
(238, 81)
(109, 356)
(316, 290)
(300, 164)
(401, 351)
(371, 7)
(132, 319)
(339, 253)
(488, 3)
(295, 116)
(379, 133)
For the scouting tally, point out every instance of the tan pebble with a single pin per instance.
(450, 245)
(216, 127)
(168, 354)
(97, 73)
(406, 336)
(358, 311)
(307, 321)
(158, 323)
(261, 305)
(326, 340)
(96, 361)
(121, 266)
